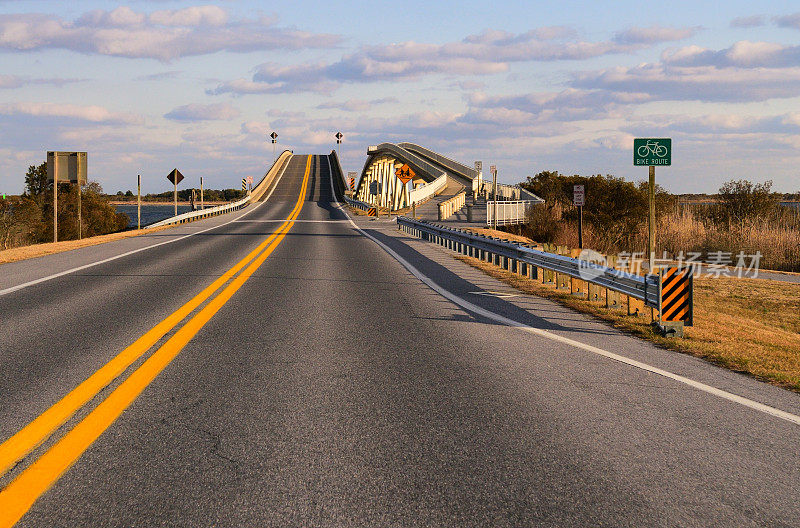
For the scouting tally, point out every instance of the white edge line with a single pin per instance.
(121, 255)
(772, 411)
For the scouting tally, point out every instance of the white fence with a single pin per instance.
(428, 190)
(449, 207)
(509, 212)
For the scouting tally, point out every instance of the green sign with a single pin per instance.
(652, 151)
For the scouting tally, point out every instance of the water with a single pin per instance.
(791, 204)
(151, 213)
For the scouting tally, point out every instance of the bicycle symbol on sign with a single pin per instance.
(652, 147)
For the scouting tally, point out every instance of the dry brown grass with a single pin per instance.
(501, 234)
(40, 250)
(747, 325)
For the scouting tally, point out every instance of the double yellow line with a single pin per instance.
(18, 497)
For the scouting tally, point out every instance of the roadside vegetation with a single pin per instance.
(28, 219)
(742, 217)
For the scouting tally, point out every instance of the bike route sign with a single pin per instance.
(652, 151)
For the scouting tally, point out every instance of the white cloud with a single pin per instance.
(161, 35)
(654, 34)
(663, 82)
(487, 53)
(356, 105)
(749, 21)
(199, 112)
(788, 21)
(742, 54)
(94, 114)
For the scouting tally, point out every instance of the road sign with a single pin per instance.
(373, 188)
(69, 166)
(250, 180)
(404, 173)
(652, 151)
(478, 166)
(274, 137)
(676, 299)
(578, 196)
(244, 184)
(372, 211)
(493, 169)
(175, 177)
(352, 177)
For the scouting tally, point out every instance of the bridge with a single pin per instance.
(290, 363)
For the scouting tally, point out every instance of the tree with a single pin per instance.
(742, 200)
(36, 184)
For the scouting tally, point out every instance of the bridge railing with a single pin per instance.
(336, 166)
(509, 212)
(643, 288)
(427, 191)
(450, 206)
(259, 189)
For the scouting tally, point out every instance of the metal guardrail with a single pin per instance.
(641, 288)
(227, 208)
(508, 212)
(203, 213)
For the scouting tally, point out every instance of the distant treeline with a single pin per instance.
(184, 195)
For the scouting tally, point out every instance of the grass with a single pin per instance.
(49, 248)
(746, 325)
(777, 239)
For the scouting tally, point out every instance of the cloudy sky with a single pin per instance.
(146, 86)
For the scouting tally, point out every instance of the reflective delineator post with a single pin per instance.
(138, 201)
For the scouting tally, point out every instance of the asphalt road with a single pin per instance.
(335, 388)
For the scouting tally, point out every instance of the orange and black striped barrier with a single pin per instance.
(372, 211)
(676, 301)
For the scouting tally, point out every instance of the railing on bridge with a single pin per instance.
(259, 189)
(509, 212)
(450, 206)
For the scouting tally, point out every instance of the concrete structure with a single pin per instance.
(433, 175)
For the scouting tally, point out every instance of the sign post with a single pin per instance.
(67, 167)
(652, 152)
(138, 201)
(479, 180)
(175, 177)
(405, 174)
(338, 137)
(274, 137)
(579, 200)
(493, 170)
(201, 193)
